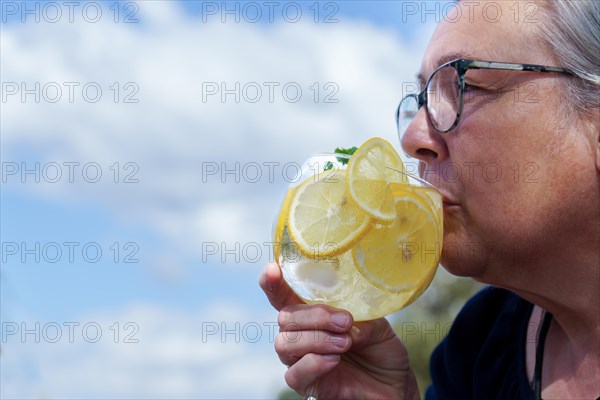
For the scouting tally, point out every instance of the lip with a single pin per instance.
(448, 200)
(450, 207)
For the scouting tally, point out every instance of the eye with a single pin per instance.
(471, 91)
(469, 87)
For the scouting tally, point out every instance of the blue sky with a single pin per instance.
(168, 216)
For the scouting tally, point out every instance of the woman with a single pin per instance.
(529, 227)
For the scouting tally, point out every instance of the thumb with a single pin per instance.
(367, 333)
(277, 290)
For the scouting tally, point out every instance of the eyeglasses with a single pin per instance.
(443, 95)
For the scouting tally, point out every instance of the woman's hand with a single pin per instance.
(330, 356)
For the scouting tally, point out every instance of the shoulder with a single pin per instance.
(487, 305)
(483, 351)
(489, 313)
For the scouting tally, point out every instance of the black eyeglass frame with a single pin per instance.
(461, 66)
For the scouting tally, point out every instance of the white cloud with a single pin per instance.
(223, 351)
(171, 134)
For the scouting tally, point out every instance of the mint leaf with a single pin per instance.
(348, 151)
(329, 165)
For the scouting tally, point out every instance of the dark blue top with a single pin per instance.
(483, 356)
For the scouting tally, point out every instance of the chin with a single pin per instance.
(463, 253)
(457, 270)
(463, 261)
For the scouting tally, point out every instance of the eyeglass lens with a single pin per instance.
(442, 98)
(442, 101)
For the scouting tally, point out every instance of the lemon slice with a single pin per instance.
(404, 254)
(323, 220)
(429, 195)
(434, 200)
(281, 222)
(370, 171)
(422, 285)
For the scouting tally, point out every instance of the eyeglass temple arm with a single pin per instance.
(512, 67)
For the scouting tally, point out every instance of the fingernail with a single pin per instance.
(339, 341)
(340, 319)
(332, 357)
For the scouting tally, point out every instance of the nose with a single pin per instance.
(421, 141)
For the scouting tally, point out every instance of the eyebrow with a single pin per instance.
(443, 59)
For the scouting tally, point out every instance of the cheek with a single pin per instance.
(516, 191)
(498, 222)
(503, 198)
(504, 162)
(522, 205)
(502, 207)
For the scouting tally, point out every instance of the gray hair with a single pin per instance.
(572, 31)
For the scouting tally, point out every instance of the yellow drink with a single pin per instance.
(363, 237)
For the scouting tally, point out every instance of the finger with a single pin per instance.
(292, 346)
(277, 290)
(305, 373)
(300, 317)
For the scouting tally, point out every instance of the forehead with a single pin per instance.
(490, 31)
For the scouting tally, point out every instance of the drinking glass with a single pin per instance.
(383, 266)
